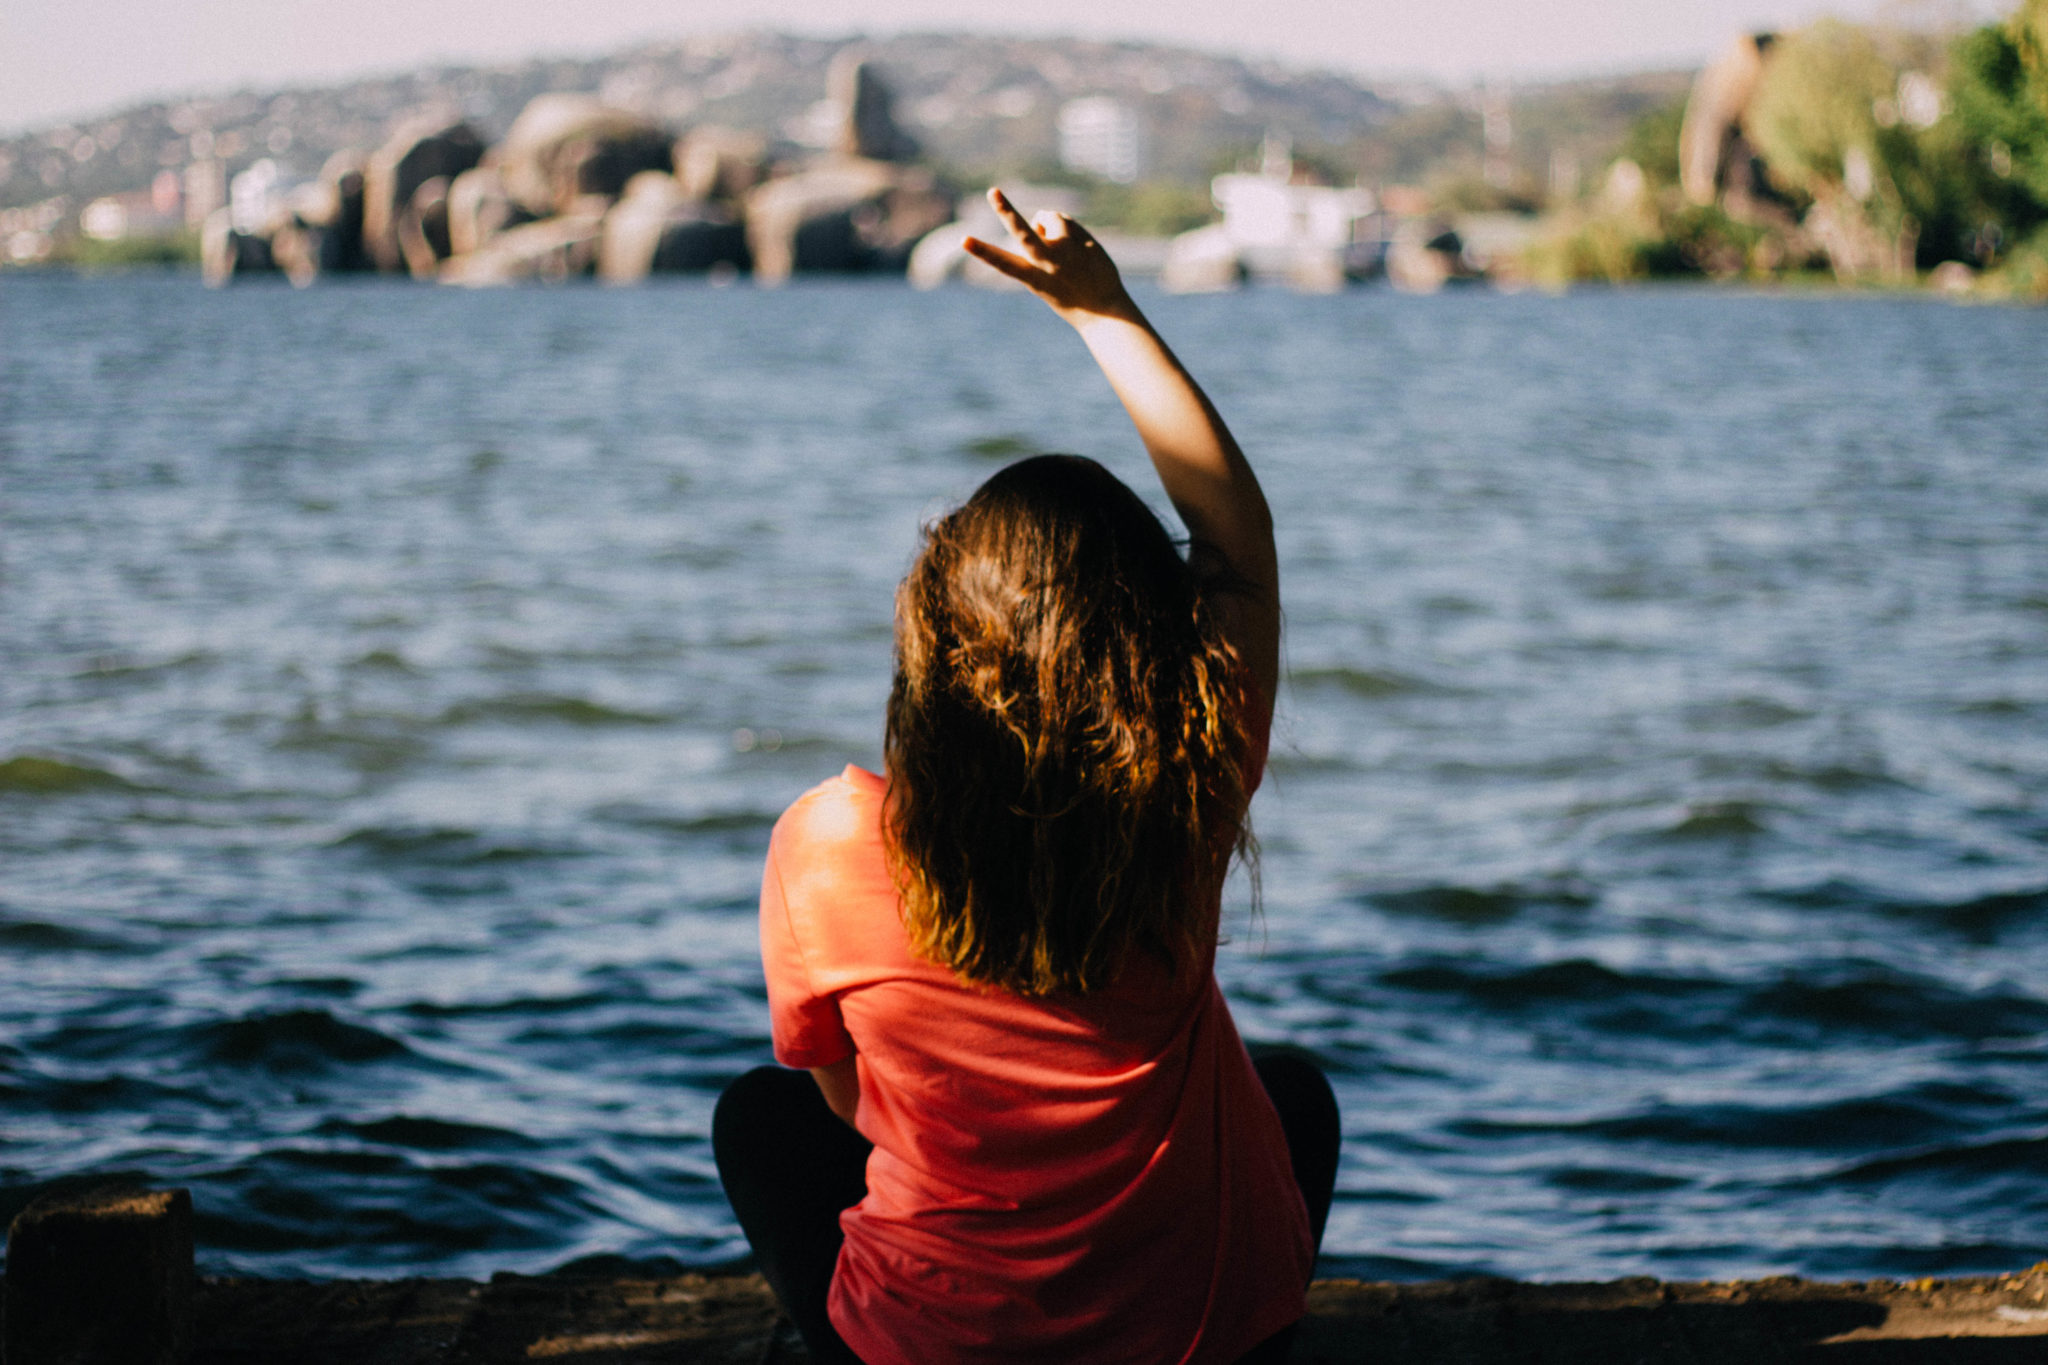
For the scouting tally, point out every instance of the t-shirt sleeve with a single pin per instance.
(806, 1027)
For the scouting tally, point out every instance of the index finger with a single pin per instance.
(1008, 263)
(1019, 226)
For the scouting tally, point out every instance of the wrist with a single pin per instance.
(1117, 313)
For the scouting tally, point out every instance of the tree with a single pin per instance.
(1853, 121)
(1652, 142)
(1999, 91)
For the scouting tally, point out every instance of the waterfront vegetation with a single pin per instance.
(93, 254)
(1881, 155)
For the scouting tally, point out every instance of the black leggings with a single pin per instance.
(790, 1167)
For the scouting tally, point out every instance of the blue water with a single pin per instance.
(397, 687)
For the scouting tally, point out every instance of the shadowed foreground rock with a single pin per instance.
(99, 1274)
(731, 1320)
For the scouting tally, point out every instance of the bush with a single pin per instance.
(1151, 208)
(1604, 248)
(87, 253)
(2024, 272)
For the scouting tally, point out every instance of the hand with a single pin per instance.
(1058, 260)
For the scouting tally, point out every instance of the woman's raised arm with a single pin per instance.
(1206, 476)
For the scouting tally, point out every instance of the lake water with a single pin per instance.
(397, 687)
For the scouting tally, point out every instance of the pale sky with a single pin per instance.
(61, 59)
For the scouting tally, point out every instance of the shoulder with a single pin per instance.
(839, 813)
(829, 883)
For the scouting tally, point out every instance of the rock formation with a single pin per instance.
(227, 254)
(479, 209)
(846, 215)
(320, 229)
(423, 149)
(868, 129)
(552, 249)
(423, 229)
(343, 248)
(1714, 157)
(720, 164)
(658, 227)
(563, 147)
(577, 187)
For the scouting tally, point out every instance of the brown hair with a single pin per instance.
(1066, 738)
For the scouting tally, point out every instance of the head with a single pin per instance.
(1065, 742)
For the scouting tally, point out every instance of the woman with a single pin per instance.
(997, 964)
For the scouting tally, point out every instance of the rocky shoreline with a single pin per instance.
(732, 1320)
(106, 1274)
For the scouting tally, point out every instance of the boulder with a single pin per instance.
(845, 215)
(226, 254)
(563, 147)
(1425, 256)
(721, 164)
(423, 149)
(318, 230)
(479, 209)
(342, 247)
(295, 248)
(101, 1274)
(553, 249)
(423, 229)
(868, 124)
(1710, 140)
(658, 228)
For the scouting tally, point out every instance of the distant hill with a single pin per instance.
(979, 105)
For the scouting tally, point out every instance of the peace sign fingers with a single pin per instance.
(1056, 258)
(1020, 227)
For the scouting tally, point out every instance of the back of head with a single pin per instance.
(1065, 738)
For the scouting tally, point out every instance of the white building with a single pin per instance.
(1314, 236)
(1262, 213)
(1104, 137)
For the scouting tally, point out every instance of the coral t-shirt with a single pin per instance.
(1079, 1178)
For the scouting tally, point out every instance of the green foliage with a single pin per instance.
(1151, 208)
(1999, 95)
(1473, 194)
(2024, 272)
(1832, 121)
(1700, 239)
(1652, 143)
(1680, 240)
(1603, 248)
(1814, 108)
(87, 253)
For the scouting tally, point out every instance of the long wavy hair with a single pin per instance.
(1066, 737)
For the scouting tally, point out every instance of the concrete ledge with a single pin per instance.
(732, 1320)
(100, 1274)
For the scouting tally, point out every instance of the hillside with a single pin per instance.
(980, 106)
